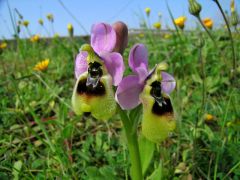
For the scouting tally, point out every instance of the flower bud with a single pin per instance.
(234, 18)
(147, 11)
(25, 23)
(50, 17)
(70, 30)
(194, 7)
(232, 6)
(40, 21)
(157, 25)
(122, 36)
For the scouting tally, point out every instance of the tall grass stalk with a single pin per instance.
(12, 20)
(47, 86)
(223, 137)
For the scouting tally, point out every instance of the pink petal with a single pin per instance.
(142, 73)
(168, 83)
(138, 58)
(81, 64)
(115, 65)
(127, 94)
(103, 37)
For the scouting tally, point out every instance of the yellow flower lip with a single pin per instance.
(208, 23)
(42, 66)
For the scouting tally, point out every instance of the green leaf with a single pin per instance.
(93, 173)
(16, 169)
(38, 163)
(108, 173)
(103, 173)
(146, 149)
(134, 117)
(157, 174)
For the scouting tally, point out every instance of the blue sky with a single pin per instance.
(89, 12)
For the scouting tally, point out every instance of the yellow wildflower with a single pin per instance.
(167, 36)
(50, 17)
(208, 23)
(40, 21)
(147, 11)
(141, 35)
(41, 66)
(25, 23)
(209, 117)
(35, 38)
(157, 25)
(3, 45)
(180, 21)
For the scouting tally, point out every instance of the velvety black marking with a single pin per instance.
(82, 88)
(165, 108)
(161, 105)
(87, 114)
(156, 92)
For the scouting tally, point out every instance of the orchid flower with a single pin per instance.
(152, 89)
(97, 68)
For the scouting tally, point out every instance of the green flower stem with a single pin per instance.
(132, 141)
(203, 79)
(230, 34)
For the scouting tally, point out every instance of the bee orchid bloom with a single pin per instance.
(152, 89)
(129, 89)
(97, 68)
